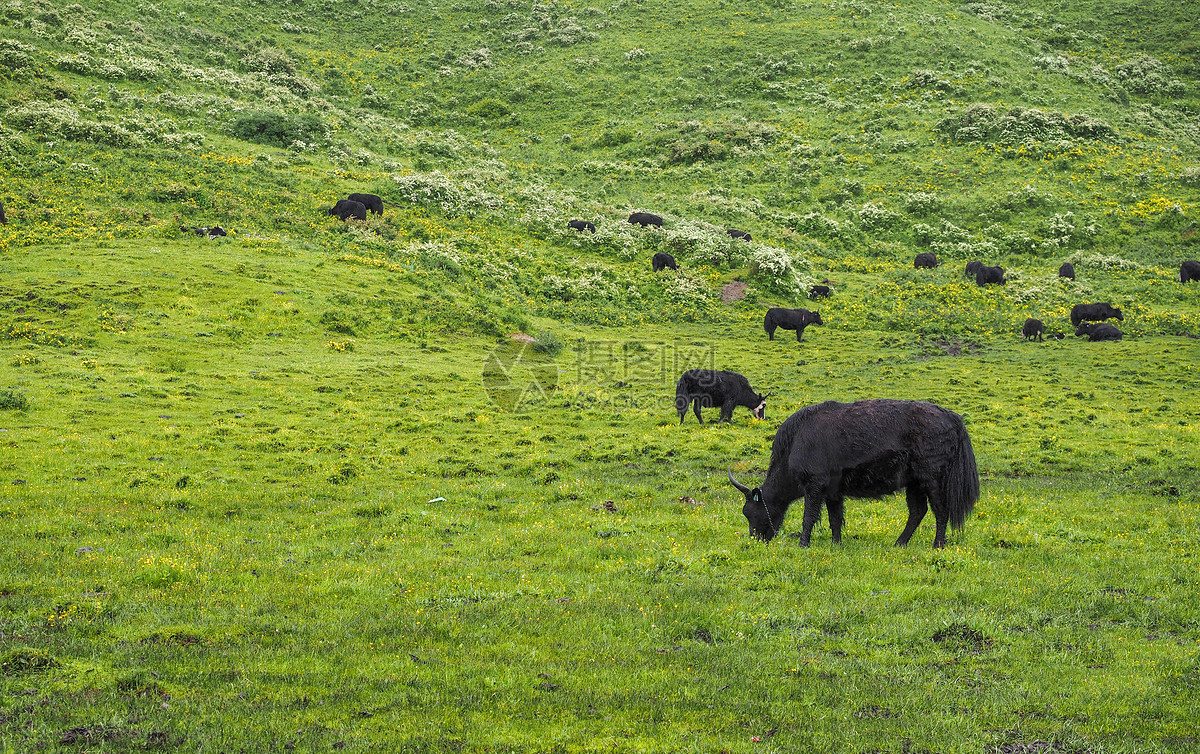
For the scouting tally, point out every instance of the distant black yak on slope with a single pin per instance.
(1094, 313)
(370, 201)
(346, 208)
(990, 276)
(735, 233)
(819, 291)
(3, 219)
(1033, 328)
(581, 226)
(663, 260)
(645, 218)
(1067, 271)
(790, 319)
(972, 268)
(705, 388)
(870, 448)
(1188, 271)
(1098, 331)
(926, 259)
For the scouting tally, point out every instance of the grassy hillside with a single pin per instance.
(302, 488)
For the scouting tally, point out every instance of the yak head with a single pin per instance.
(814, 318)
(760, 411)
(762, 526)
(1085, 328)
(1117, 313)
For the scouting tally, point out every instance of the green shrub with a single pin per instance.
(277, 129)
(13, 400)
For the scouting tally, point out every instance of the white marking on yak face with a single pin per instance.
(760, 411)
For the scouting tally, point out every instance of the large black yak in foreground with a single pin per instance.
(705, 388)
(871, 448)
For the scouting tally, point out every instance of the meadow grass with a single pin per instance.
(301, 488)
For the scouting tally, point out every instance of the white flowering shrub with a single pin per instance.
(872, 216)
(1053, 63)
(774, 269)
(921, 203)
(1148, 76)
(636, 54)
(1190, 175)
(1099, 261)
(685, 288)
(437, 190)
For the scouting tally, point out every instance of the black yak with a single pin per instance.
(212, 232)
(645, 218)
(581, 226)
(1055, 335)
(819, 291)
(346, 208)
(990, 276)
(663, 260)
(790, 319)
(1067, 271)
(830, 451)
(705, 388)
(1033, 327)
(1188, 271)
(370, 201)
(735, 233)
(1098, 331)
(926, 259)
(1094, 313)
(972, 268)
(3, 219)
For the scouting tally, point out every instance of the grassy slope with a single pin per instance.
(270, 561)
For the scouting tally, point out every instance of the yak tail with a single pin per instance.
(960, 484)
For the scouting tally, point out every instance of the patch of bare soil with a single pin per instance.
(735, 291)
(522, 337)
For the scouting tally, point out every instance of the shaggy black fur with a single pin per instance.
(790, 319)
(1094, 313)
(662, 260)
(1188, 271)
(870, 448)
(1033, 328)
(990, 276)
(645, 218)
(972, 268)
(1099, 331)
(581, 226)
(705, 388)
(735, 233)
(346, 208)
(926, 259)
(370, 201)
(1067, 271)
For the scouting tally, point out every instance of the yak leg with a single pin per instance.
(727, 412)
(799, 333)
(771, 333)
(814, 498)
(696, 408)
(837, 516)
(916, 511)
(940, 515)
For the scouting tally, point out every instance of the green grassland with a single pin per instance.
(302, 489)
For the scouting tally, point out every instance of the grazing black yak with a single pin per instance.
(819, 291)
(735, 233)
(1033, 327)
(346, 208)
(581, 226)
(1188, 271)
(370, 201)
(926, 259)
(645, 218)
(662, 260)
(870, 448)
(3, 219)
(972, 268)
(1067, 271)
(1094, 313)
(790, 319)
(990, 276)
(1098, 331)
(212, 232)
(708, 387)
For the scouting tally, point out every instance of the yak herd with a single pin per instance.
(826, 452)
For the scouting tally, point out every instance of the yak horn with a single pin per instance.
(741, 487)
